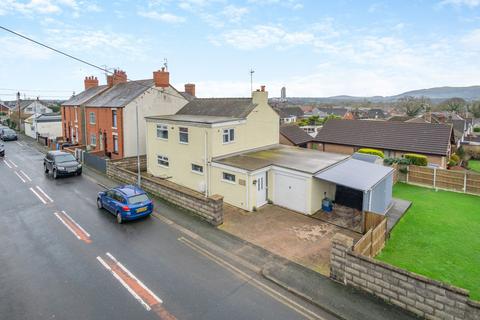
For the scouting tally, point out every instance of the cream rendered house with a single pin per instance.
(230, 147)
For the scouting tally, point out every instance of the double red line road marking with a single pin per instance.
(135, 287)
(74, 227)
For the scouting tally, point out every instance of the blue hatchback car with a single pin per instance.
(125, 202)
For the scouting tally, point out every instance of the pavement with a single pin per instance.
(64, 258)
(396, 212)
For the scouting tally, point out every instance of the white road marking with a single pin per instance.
(25, 175)
(133, 293)
(38, 196)
(66, 225)
(8, 165)
(134, 278)
(74, 222)
(13, 163)
(19, 143)
(46, 195)
(20, 177)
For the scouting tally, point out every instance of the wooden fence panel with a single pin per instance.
(420, 175)
(364, 245)
(379, 236)
(459, 181)
(372, 220)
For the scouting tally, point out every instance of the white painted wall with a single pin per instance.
(152, 103)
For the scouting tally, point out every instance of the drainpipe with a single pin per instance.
(370, 200)
(206, 164)
(248, 192)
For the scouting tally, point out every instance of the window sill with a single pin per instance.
(180, 142)
(162, 166)
(229, 142)
(228, 181)
(164, 139)
(196, 172)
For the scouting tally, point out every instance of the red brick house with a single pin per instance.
(103, 118)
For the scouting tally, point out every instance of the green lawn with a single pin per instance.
(438, 237)
(474, 165)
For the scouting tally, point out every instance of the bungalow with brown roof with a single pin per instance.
(392, 137)
(293, 135)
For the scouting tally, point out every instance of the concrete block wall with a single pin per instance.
(208, 208)
(131, 163)
(420, 295)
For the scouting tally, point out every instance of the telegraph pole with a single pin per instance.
(251, 80)
(18, 106)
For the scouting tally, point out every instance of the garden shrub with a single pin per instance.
(476, 129)
(454, 160)
(416, 159)
(374, 152)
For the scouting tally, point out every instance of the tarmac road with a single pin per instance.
(63, 258)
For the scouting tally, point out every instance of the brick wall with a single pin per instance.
(131, 163)
(420, 295)
(208, 208)
(104, 124)
(68, 122)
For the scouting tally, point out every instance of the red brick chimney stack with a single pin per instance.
(262, 88)
(118, 76)
(190, 88)
(161, 78)
(90, 82)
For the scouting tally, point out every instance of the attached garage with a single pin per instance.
(290, 191)
(361, 185)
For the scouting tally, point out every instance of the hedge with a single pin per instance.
(476, 129)
(416, 159)
(374, 152)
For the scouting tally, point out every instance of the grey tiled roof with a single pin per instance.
(424, 138)
(84, 96)
(294, 134)
(219, 107)
(120, 94)
(289, 111)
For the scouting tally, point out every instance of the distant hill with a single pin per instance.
(437, 94)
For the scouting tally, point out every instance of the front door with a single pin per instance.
(261, 189)
(100, 138)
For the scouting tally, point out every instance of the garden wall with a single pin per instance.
(209, 208)
(460, 181)
(420, 295)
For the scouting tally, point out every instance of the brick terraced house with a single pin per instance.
(103, 117)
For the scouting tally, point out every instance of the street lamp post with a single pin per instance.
(138, 147)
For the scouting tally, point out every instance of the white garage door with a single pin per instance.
(291, 192)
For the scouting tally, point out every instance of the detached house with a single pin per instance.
(104, 118)
(393, 138)
(230, 147)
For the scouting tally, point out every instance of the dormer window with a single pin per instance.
(228, 135)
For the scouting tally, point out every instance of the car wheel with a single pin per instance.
(55, 176)
(119, 218)
(45, 167)
(99, 204)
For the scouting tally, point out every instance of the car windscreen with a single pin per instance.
(64, 158)
(8, 131)
(138, 198)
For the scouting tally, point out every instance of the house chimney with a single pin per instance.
(260, 96)
(90, 82)
(118, 76)
(190, 89)
(162, 78)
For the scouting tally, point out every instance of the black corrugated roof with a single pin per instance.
(424, 138)
(121, 94)
(84, 96)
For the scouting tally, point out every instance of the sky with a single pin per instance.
(314, 48)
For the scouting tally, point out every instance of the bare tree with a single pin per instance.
(474, 109)
(413, 106)
(454, 104)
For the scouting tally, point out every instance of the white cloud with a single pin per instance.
(468, 3)
(472, 40)
(233, 13)
(262, 36)
(76, 7)
(15, 48)
(292, 4)
(162, 16)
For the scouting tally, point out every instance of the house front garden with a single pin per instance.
(438, 237)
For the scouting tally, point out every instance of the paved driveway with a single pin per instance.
(292, 235)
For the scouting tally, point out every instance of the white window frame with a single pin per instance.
(228, 132)
(163, 128)
(93, 142)
(196, 171)
(114, 123)
(180, 132)
(115, 147)
(227, 180)
(92, 116)
(163, 158)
